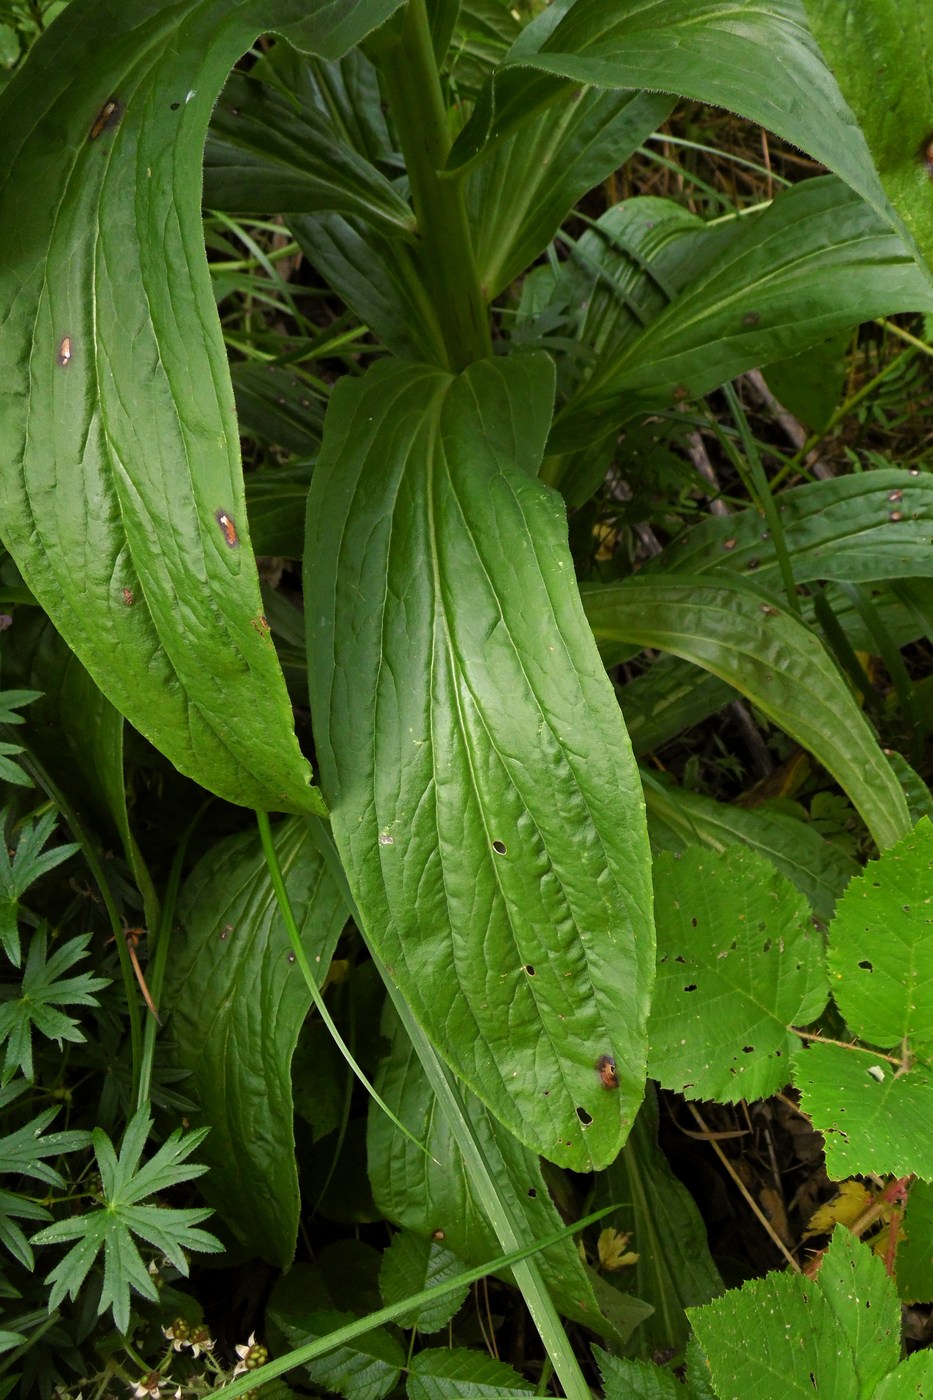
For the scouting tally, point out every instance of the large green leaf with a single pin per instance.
(237, 1001)
(121, 497)
(759, 60)
(730, 629)
(817, 260)
(485, 800)
(879, 51)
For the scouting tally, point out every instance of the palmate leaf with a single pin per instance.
(34, 1003)
(484, 797)
(122, 1215)
(29, 862)
(121, 495)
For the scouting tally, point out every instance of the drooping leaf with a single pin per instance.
(237, 1003)
(872, 525)
(484, 797)
(818, 260)
(274, 153)
(121, 497)
(729, 629)
(738, 964)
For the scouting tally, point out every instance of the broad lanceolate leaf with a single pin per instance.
(739, 962)
(121, 497)
(760, 61)
(486, 804)
(237, 1003)
(818, 260)
(881, 948)
(879, 52)
(272, 153)
(770, 657)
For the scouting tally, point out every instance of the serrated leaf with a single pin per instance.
(485, 802)
(779, 1336)
(413, 1263)
(28, 864)
(912, 1379)
(33, 1004)
(625, 1379)
(739, 962)
(873, 1120)
(678, 819)
(881, 947)
(365, 1369)
(122, 503)
(728, 628)
(111, 1227)
(853, 1281)
(237, 1003)
(22, 1151)
(456, 1373)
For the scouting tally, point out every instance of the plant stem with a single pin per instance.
(445, 250)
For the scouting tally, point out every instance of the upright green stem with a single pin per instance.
(445, 254)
